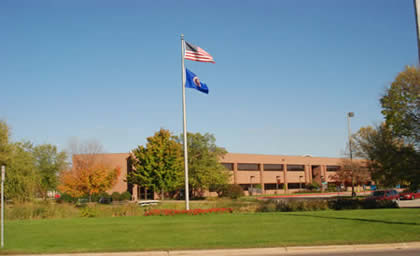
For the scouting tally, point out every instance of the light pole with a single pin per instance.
(277, 183)
(3, 171)
(251, 181)
(350, 115)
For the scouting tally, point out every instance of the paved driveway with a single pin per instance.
(409, 204)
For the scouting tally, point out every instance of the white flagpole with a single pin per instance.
(187, 194)
(417, 15)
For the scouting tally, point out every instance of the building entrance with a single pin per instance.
(145, 194)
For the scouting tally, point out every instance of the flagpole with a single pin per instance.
(187, 194)
(416, 14)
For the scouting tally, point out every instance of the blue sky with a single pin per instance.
(286, 71)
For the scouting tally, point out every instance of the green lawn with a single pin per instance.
(212, 231)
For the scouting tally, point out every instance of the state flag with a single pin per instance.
(192, 81)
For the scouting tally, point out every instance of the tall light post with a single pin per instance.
(350, 115)
(251, 181)
(3, 172)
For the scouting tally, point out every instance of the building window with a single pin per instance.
(295, 185)
(228, 166)
(272, 186)
(295, 167)
(273, 167)
(248, 167)
(333, 168)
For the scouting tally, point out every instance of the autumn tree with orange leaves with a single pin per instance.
(89, 175)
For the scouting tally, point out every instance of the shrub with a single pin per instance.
(105, 198)
(39, 210)
(232, 191)
(347, 204)
(315, 205)
(267, 206)
(292, 205)
(94, 197)
(66, 198)
(312, 186)
(88, 212)
(126, 196)
(218, 188)
(116, 196)
(257, 186)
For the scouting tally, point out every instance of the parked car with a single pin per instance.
(386, 194)
(410, 195)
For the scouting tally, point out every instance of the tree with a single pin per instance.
(391, 160)
(21, 177)
(4, 143)
(87, 151)
(90, 180)
(49, 162)
(204, 168)
(393, 148)
(158, 165)
(90, 173)
(401, 105)
(352, 171)
(29, 169)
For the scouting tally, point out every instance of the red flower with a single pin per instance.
(172, 212)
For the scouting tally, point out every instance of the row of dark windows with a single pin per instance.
(274, 186)
(333, 168)
(275, 167)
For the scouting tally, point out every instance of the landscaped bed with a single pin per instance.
(236, 230)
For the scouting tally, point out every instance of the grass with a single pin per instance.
(239, 230)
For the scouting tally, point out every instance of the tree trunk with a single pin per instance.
(353, 194)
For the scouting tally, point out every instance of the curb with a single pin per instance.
(294, 250)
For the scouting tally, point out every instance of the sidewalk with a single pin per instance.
(259, 251)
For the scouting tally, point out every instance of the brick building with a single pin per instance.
(269, 173)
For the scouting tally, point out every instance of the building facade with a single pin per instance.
(269, 174)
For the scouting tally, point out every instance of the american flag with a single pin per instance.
(195, 53)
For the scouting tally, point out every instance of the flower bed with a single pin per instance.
(170, 212)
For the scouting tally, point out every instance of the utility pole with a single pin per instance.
(3, 170)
